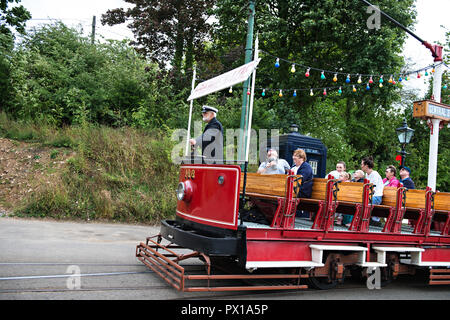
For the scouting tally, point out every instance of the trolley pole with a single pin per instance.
(188, 135)
(434, 129)
(436, 52)
(248, 57)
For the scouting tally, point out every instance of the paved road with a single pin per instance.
(37, 259)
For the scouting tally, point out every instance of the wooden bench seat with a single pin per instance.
(274, 185)
(414, 202)
(269, 191)
(350, 192)
(270, 194)
(267, 186)
(442, 201)
(319, 189)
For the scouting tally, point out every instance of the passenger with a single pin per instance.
(273, 165)
(340, 218)
(407, 182)
(344, 177)
(405, 179)
(358, 176)
(303, 168)
(374, 178)
(211, 141)
(391, 180)
(340, 167)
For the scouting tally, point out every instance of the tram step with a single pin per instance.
(282, 264)
(317, 251)
(372, 264)
(416, 256)
(416, 253)
(439, 276)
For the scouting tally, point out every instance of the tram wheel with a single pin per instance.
(322, 283)
(325, 282)
(387, 273)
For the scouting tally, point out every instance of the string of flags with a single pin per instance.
(352, 80)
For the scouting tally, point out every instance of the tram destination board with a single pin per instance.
(431, 109)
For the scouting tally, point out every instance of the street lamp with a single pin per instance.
(293, 128)
(404, 134)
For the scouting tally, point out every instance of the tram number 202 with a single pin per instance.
(189, 174)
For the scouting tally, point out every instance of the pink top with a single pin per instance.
(392, 183)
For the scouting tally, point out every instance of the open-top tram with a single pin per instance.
(283, 251)
(301, 250)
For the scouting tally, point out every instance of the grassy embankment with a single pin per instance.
(120, 174)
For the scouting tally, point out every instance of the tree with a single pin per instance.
(328, 35)
(59, 77)
(14, 18)
(166, 31)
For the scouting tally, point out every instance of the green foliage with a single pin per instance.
(14, 17)
(166, 30)
(60, 77)
(64, 91)
(6, 48)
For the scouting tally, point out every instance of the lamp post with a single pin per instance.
(404, 134)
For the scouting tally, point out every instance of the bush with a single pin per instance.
(115, 174)
(59, 77)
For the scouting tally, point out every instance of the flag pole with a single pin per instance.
(188, 135)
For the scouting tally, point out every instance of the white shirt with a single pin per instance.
(376, 180)
(280, 168)
(334, 173)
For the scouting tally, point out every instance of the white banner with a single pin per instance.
(225, 80)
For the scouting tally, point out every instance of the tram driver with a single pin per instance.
(211, 141)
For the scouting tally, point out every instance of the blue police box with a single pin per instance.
(316, 151)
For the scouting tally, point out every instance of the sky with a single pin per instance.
(431, 14)
(77, 12)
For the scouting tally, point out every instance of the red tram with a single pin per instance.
(290, 252)
(208, 222)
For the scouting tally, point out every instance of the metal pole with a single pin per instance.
(436, 52)
(250, 115)
(188, 135)
(434, 132)
(252, 96)
(93, 30)
(248, 58)
(403, 153)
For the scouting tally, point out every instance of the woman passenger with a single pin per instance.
(391, 180)
(304, 169)
(301, 167)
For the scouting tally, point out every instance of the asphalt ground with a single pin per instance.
(39, 258)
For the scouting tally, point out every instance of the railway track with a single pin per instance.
(45, 276)
(348, 286)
